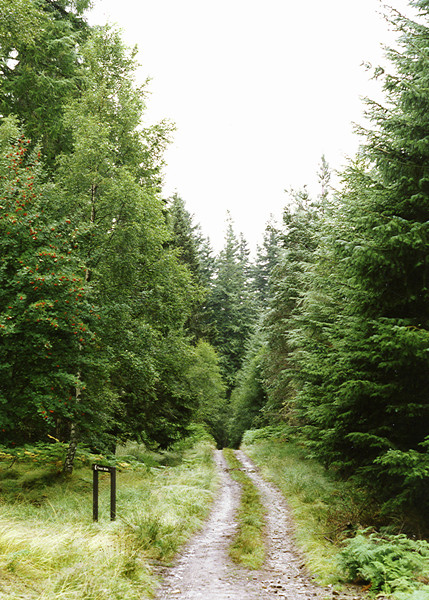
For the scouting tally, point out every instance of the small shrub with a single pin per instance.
(196, 433)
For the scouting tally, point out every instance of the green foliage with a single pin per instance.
(299, 238)
(410, 469)
(248, 398)
(47, 318)
(113, 364)
(19, 24)
(230, 307)
(195, 252)
(97, 295)
(392, 564)
(40, 67)
(111, 184)
(185, 235)
(205, 380)
(27, 472)
(267, 258)
(281, 432)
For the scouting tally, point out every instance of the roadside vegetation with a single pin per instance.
(49, 546)
(344, 532)
(119, 323)
(248, 546)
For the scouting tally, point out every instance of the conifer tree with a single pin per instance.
(299, 239)
(230, 304)
(267, 258)
(184, 234)
(366, 404)
(195, 252)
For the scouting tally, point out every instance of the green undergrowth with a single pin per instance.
(50, 548)
(325, 511)
(392, 564)
(248, 545)
(339, 527)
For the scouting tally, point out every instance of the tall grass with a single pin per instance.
(50, 549)
(326, 511)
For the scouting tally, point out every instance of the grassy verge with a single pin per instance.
(50, 549)
(325, 511)
(248, 545)
(339, 527)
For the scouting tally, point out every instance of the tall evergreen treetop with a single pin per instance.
(41, 71)
(230, 305)
(365, 381)
(267, 257)
(185, 235)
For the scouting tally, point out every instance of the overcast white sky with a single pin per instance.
(258, 90)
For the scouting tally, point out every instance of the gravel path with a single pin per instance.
(204, 570)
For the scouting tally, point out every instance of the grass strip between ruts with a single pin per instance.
(248, 547)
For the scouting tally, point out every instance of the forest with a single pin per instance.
(119, 323)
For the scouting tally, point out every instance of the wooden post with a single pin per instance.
(112, 471)
(113, 494)
(94, 494)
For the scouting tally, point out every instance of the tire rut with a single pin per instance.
(283, 574)
(204, 570)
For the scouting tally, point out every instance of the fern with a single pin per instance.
(392, 564)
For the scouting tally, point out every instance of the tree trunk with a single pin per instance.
(71, 450)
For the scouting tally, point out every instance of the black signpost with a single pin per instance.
(96, 469)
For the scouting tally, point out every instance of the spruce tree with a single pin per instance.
(267, 258)
(230, 306)
(195, 252)
(367, 404)
(184, 234)
(298, 239)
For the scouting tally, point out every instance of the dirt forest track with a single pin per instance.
(204, 570)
